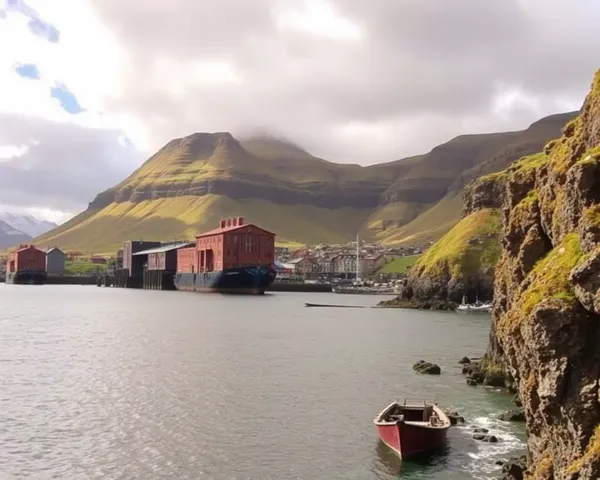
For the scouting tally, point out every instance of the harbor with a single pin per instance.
(180, 359)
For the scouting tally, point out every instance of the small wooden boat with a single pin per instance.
(413, 427)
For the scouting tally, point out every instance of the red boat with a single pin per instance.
(413, 427)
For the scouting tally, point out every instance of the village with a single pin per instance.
(322, 263)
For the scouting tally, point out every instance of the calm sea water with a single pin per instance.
(101, 383)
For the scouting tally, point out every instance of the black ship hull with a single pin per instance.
(27, 277)
(253, 280)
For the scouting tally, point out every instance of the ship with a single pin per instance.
(236, 257)
(253, 279)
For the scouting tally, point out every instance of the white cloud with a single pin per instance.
(87, 60)
(349, 80)
(10, 152)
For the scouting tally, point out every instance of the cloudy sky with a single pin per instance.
(90, 88)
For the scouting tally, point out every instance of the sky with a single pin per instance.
(91, 88)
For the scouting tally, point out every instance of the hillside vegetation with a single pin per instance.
(192, 182)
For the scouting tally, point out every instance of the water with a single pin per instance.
(130, 384)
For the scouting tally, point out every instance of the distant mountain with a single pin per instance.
(10, 236)
(27, 224)
(192, 182)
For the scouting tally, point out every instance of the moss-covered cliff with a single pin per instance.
(546, 318)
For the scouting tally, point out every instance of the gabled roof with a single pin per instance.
(52, 249)
(22, 248)
(165, 248)
(218, 231)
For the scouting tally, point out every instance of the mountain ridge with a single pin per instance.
(191, 181)
(16, 228)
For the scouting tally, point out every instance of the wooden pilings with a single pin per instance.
(158, 280)
(149, 280)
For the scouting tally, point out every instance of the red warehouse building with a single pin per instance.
(236, 257)
(26, 264)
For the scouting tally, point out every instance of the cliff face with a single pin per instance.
(546, 318)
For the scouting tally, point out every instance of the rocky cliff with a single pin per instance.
(546, 317)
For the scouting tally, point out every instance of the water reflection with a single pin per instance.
(387, 464)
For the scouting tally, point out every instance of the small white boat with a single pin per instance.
(474, 307)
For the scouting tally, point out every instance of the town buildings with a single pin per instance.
(328, 261)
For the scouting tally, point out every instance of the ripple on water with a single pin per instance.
(109, 383)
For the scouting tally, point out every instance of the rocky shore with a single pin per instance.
(545, 334)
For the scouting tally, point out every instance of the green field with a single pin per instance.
(399, 265)
(83, 267)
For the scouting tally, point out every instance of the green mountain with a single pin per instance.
(192, 182)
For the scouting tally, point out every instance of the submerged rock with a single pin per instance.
(427, 368)
(517, 415)
(455, 417)
(464, 360)
(514, 469)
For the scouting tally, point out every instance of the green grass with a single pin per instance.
(399, 264)
(455, 254)
(83, 267)
(550, 276)
(183, 217)
(428, 226)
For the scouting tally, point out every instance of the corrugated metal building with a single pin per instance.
(55, 261)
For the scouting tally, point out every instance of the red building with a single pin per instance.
(26, 257)
(234, 244)
(26, 264)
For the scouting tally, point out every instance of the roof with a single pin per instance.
(165, 248)
(53, 249)
(218, 231)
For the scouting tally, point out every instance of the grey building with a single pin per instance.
(55, 261)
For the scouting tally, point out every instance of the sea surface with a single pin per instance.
(103, 383)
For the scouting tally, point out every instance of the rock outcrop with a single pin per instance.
(546, 316)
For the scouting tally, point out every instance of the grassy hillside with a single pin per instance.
(192, 182)
(472, 245)
(448, 168)
(104, 230)
(399, 265)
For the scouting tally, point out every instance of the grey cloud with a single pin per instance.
(427, 59)
(65, 165)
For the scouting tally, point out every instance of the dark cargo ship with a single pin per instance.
(251, 280)
(234, 258)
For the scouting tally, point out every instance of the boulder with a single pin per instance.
(427, 368)
(516, 415)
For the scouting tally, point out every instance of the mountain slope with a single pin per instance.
(193, 181)
(27, 224)
(10, 236)
(447, 169)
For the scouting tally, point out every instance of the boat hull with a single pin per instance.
(252, 280)
(414, 431)
(26, 277)
(408, 440)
